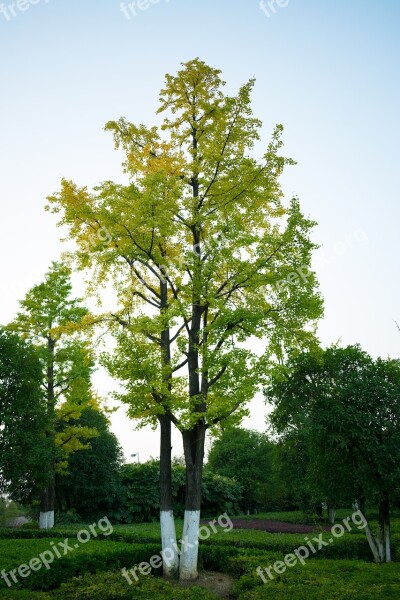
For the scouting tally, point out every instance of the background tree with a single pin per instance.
(290, 486)
(201, 238)
(92, 485)
(23, 445)
(51, 320)
(348, 407)
(246, 456)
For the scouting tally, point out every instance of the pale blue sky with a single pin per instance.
(328, 70)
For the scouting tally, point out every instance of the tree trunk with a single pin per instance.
(169, 545)
(193, 443)
(47, 500)
(318, 510)
(380, 542)
(384, 527)
(46, 517)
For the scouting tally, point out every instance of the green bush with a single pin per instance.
(112, 586)
(142, 499)
(347, 547)
(94, 557)
(18, 594)
(324, 579)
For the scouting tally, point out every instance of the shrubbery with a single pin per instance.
(324, 579)
(95, 557)
(142, 495)
(112, 586)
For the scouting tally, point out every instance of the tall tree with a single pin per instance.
(51, 320)
(23, 447)
(201, 238)
(347, 406)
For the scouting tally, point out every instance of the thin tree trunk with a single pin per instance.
(193, 443)
(384, 527)
(168, 533)
(380, 542)
(169, 545)
(46, 517)
(47, 500)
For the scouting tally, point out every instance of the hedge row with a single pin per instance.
(320, 580)
(111, 586)
(93, 558)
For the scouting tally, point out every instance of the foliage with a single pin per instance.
(348, 406)
(95, 556)
(322, 580)
(8, 511)
(141, 483)
(92, 487)
(203, 254)
(112, 586)
(247, 457)
(23, 445)
(290, 486)
(52, 321)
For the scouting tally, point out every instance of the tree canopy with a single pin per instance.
(347, 405)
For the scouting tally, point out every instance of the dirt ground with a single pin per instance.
(274, 526)
(218, 583)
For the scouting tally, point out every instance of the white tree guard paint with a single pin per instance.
(190, 545)
(375, 545)
(46, 520)
(170, 552)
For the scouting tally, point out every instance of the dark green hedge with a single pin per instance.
(93, 558)
(324, 580)
(111, 586)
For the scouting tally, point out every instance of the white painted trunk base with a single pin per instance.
(170, 551)
(46, 520)
(190, 545)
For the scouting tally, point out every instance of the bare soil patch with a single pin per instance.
(218, 583)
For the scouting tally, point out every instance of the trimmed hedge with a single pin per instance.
(112, 586)
(95, 557)
(18, 594)
(339, 579)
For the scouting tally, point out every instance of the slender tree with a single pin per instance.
(51, 320)
(201, 238)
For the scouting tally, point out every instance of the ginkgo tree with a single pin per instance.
(212, 270)
(53, 322)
